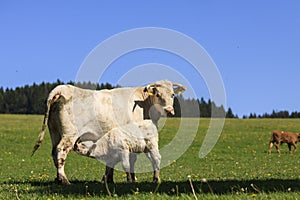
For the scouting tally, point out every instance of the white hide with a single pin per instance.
(72, 111)
(116, 145)
(135, 137)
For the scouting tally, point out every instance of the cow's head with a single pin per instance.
(162, 93)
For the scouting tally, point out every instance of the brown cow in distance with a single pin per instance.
(279, 137)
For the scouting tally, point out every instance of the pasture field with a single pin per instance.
(237, 168)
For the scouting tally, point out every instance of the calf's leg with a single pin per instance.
(132, 160)
(126, 165)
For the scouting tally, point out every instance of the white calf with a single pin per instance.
(123, 144)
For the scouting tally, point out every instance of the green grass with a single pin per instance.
(237, 168)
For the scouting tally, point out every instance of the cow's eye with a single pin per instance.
(173, 95)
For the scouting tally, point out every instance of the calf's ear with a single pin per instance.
(78, 141)
(88, 136)
(91, 151)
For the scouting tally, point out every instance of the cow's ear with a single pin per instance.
(150, 89)
(178, 88)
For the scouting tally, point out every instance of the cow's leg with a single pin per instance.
(290, 147)
(59, 154)
(155, 158)
(132, 160)
(109, 169)
(270, 147)
(277, 147)
(295, 147)
(108, 177)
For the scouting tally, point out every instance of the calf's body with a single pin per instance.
(122, 144)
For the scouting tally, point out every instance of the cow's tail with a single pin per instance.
(53, 97)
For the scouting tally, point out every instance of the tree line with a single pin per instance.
(200, 108)
(274, 114)
(31, 100)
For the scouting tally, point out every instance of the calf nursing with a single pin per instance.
(279, 137)
(72, 111)
(122, 144)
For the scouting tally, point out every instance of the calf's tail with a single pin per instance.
(53, 97)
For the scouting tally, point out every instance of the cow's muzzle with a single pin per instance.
(169, 109)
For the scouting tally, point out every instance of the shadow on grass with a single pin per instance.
(94, 188)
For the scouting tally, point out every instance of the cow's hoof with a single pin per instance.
(135, 180)
(62, 181)
(132, 180)
(156, 180)
(107, 180)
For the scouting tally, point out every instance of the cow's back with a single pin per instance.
(281, 136)
(78, 111)
(70, 114)
(116, 107)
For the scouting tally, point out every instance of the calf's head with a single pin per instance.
(85, 144)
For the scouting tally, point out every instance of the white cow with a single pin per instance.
(72, 111)
(119, 144)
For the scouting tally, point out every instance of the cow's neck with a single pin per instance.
(145, 101)
(148, 103)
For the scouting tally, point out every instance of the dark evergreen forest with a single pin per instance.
(32, 99)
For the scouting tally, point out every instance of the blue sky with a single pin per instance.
(255, 44)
